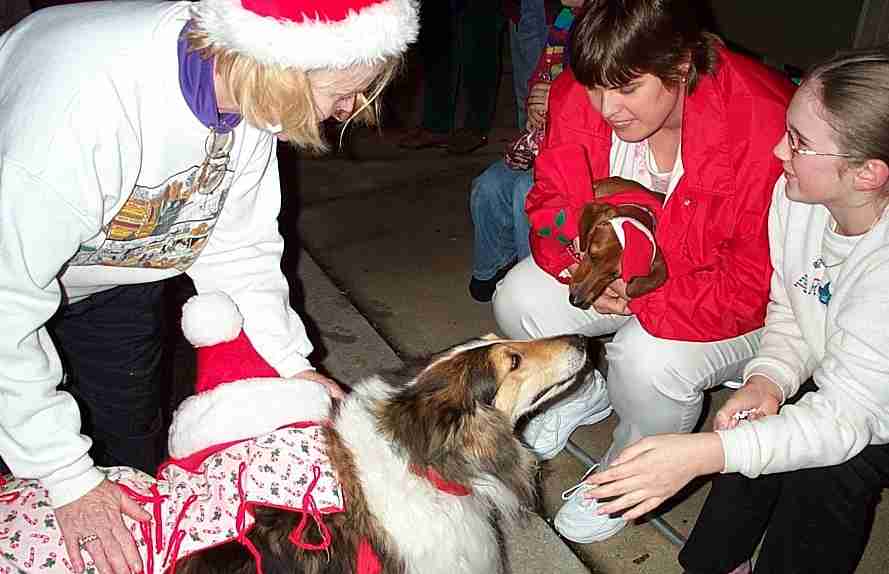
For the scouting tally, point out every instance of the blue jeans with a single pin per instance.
(497, 202)
(526, 42)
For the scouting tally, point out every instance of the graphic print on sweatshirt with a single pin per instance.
(170, 224)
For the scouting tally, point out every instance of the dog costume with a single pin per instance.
(247, 438)
(636, 239)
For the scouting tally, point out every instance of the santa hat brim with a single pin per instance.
(244, 409)
(377, 32)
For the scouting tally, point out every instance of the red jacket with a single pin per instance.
(713, 231)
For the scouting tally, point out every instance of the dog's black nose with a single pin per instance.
(578, 302)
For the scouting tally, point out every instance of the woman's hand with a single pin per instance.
(538, 102)
(614, 299)
(759, 397)
(333, 389)
(96, 517)
(652, 470)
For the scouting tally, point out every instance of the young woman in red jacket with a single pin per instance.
(653, 98)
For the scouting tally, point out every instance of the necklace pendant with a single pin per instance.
(824, 293)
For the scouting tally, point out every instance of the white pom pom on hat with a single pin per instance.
(211, 318)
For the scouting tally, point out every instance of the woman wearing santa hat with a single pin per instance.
(137, 142)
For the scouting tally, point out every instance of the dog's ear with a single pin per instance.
(594, 229)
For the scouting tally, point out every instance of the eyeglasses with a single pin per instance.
(795, 148)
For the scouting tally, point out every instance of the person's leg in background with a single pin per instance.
(496, 227)
(661, 394)
(521, 227)
(437, 47)
(111, 347)
(481, 26)
(526, 41)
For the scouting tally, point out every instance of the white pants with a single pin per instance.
(655, 385)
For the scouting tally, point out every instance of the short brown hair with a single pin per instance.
(268, 94)
(615, 41)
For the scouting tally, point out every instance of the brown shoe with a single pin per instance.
(466, 141)
(421, 138)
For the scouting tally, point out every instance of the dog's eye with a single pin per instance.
(516, 361)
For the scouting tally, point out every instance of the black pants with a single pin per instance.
(111, 345)
(815, 520)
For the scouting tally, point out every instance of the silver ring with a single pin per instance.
(84, 540)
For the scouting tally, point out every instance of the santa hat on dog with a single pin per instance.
(310, 34)
(639, 247)
(238, 395)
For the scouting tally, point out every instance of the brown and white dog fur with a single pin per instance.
(600, 249)
(454, 416)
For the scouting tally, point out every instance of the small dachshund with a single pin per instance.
(616, 233)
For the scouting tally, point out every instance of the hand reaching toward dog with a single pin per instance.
(652, 470)
(759, 397)
(95, 519)
(333, 389)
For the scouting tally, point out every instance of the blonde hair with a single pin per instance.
(268, 94)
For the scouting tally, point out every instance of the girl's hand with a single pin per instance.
(759, 397)
(652, 470)
(538, 103)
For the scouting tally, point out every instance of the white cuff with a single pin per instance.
(70, 483)
(244, 409)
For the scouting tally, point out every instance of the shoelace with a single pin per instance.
(576, 488)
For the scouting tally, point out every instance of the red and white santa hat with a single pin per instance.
(639, 247)
(311, 34)
(238, 395)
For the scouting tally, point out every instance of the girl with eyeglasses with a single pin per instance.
(138, 143)
(802, 446)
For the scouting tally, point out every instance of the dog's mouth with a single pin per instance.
(547, 394)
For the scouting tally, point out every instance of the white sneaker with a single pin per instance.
(577, 519)
(548, 432)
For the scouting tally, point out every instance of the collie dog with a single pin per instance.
(414, 472)
(429, 465)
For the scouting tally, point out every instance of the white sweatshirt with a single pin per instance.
(844, 345)
(99, 162)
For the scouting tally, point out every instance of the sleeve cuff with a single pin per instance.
(777, 375)
(68, 484)
(292, 365)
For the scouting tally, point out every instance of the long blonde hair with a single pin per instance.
(268, 94)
